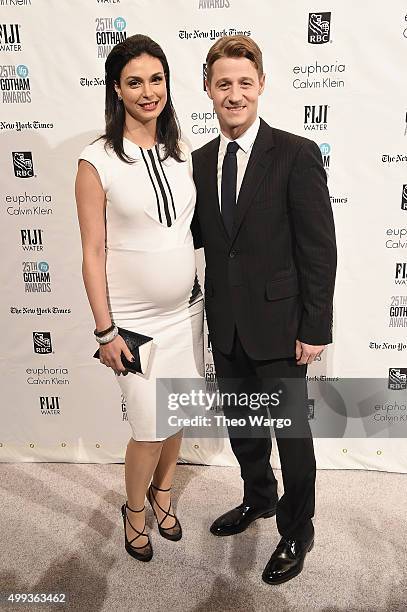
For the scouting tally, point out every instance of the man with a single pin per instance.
(264, 218)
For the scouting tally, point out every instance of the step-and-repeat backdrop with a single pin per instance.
(336, 75)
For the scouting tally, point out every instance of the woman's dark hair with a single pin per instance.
(168, 130)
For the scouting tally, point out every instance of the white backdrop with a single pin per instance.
(336, 76)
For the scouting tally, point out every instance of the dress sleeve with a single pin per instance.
(96, 155)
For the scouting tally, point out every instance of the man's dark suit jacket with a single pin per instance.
(274, 276)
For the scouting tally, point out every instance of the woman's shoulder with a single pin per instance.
(97, 148)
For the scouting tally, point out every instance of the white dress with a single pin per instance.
(152, 287)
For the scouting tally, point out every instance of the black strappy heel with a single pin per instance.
(133, 550)
(164, 531)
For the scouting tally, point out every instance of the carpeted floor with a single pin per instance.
(62, 532)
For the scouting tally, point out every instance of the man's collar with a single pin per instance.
(246, 140)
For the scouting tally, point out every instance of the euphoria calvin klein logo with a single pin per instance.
(397, 379)
(404, 198)
(23, 164)
(42, 343)
(36, 277)
(109, 32)
(315, 117)
(400, 277)
(15, 85)
(50, 404)
(10, 37)
(319, 28)
(31, 239)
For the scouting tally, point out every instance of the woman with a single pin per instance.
(135, 199)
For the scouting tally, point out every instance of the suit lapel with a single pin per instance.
(259, 162)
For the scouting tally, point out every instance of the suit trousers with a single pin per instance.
(238, 373)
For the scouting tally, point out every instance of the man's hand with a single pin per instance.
(307, 353)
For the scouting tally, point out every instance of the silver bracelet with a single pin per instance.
(108, 337)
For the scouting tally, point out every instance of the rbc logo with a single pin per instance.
(119, 24)
(319, 28)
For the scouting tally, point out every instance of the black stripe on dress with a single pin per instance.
(152, 182)
(160, 183)
(166, 180)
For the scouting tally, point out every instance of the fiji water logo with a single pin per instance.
(15, 85)
(10, 37)
(109, 32)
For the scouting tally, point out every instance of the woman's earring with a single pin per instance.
(119, 97)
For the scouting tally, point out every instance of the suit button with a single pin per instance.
(232, 253)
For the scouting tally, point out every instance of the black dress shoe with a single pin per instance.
(238, 519)
(287, 560)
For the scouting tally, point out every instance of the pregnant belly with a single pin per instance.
(150, 280)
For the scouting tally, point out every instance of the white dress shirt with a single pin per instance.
(245, 142)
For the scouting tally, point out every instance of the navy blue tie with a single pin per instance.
(228, 186)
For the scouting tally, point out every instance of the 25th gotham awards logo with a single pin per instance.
(36, 277)
(325, 149)
(23, 164)
(213, 4)
(10, 37)
(32, 239)
(42, 343)
(15, 85)
(398, 311)
(316, 117)
(319, 28)
(109, 32)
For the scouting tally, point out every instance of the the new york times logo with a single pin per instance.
(42, 343)
(397, 379)
(316, 117)
(15, 85)
(31, 239)
(36, 277)
(23, 164)
(211, 4)
(50, 404)
(109, 32)
(404, 198)
(319, 28)
(10, 37)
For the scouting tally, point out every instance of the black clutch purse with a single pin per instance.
(139, 347)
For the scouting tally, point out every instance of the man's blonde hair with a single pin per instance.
(234, 46)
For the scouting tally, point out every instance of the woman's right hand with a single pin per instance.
(110, 355)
